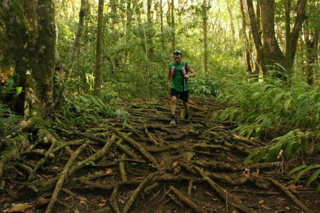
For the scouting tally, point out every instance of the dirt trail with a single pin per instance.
(148, 166)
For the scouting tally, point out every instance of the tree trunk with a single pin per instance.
(205, 36)
(30, 51)
(270, 53)
(288, 38)
(128, 27)
(150, 30)
(301, 17)
(244, 35)
(76, 44)
(231, 22)
(44, 61)
(271, 49)
(256, 36)
(17, 44)
(311, 42)
(162, 40)
(173, 27)
(100, 34)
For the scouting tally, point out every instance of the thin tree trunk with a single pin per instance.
(244, 34)
(231, 22)
(256, 35)
(128, 26)
(100, 35)
(173, 27)
(288, 38)
(76, 44)
(205, 36)
(162, 39)
(150, 30)
(311, 53)
(301, 17)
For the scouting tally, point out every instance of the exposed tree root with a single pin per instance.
(113, 200)
(186, 200)
(147, 166)
(122, 169)
(289, 194)
(140, 148)
(62, 177)
(229, 198)
(137, 191)
(10, 152)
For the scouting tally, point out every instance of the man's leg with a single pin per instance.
(185, 99)
(186, 107)
(173, 103)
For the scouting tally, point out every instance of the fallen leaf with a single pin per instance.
(82, 198)
(2, 200)
(265, 207)
(108, 171)
(292, 186)
(280, 154)
(29, 211)
(175, 163)
(42, 201)
(254, 174)
(98, 173)
(19, 207)
(261, 201)
(101, 205)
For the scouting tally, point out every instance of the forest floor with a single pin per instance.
(149, 166)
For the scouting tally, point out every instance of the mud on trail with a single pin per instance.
(148, 166)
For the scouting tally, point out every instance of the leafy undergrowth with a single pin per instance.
(141, 164)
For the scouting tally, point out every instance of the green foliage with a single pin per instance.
(80, 110)
(268, 109)
(8, 124)
(291, 143)
(304, 169)
(204, 86)
(271, 106)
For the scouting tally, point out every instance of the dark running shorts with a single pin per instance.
(180, 95)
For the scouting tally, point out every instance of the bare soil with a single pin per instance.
(149, 166)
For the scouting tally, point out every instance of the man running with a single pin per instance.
(178, 76)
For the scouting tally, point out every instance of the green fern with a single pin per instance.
(304, 169)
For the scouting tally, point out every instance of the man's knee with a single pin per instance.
(173, 99)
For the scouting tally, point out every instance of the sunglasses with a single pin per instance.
(177, 52)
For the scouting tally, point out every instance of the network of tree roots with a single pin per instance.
(149, 166)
